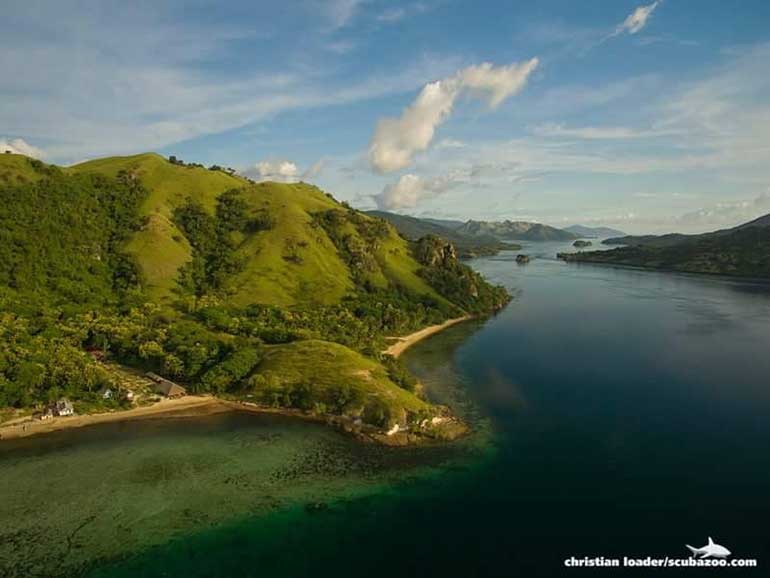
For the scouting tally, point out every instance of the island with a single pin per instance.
(580, 243)
(742, 251)
(522, 259)
(137, 286)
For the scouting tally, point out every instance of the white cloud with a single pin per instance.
(20, 147)
(283, 171)
(409, 190)
(280, 170)
(121, 80)
(596, 132)
(396, 140)
(637, 19)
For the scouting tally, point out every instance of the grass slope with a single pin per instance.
(18, 169)
(293, 262)
(160, 248)
(338, 378)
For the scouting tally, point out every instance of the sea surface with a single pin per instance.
(616, 412)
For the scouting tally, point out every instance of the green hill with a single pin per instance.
(159, 247)
(211, 280)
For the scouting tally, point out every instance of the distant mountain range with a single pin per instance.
(741, 251)
(517, 230)
(413, 228)
(594, 232)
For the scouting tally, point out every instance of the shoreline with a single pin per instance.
(405, 342)
(208, 404)
(34, 427)
(201, 405)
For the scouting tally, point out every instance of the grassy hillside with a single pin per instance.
(332, 378)
(159, 247)
(293, 262)
(18, 169)
(227, 286)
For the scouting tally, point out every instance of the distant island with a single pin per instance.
(594, 232)
(740, 251)
(479, 238)
(468, 246)
(127, 280)
(515, 230)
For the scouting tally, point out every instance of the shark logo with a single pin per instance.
(710, 550)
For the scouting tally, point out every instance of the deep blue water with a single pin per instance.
(629, 416)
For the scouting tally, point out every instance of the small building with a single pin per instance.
(165, 386)
(63, 408)
(130, 395)
(107, 394)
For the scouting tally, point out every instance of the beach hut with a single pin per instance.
(63, 408)
(166, 387)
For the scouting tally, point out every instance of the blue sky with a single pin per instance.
(647, 116)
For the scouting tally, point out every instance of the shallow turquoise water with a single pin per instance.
(619, 412)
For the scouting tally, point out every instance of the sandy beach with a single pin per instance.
(404, 343)
(32, 427)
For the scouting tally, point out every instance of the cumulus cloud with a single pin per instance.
(396, 140)
(282, 171)
(636, 20)
(20, 147)
(409, 190)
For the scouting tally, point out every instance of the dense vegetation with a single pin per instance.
(274, 293)
(62, 236)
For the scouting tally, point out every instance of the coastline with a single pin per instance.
(405, 342)
(160, 409)
(207, 404)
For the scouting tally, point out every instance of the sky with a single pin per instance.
(645, 116)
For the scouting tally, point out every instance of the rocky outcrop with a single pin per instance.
(433, 251)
